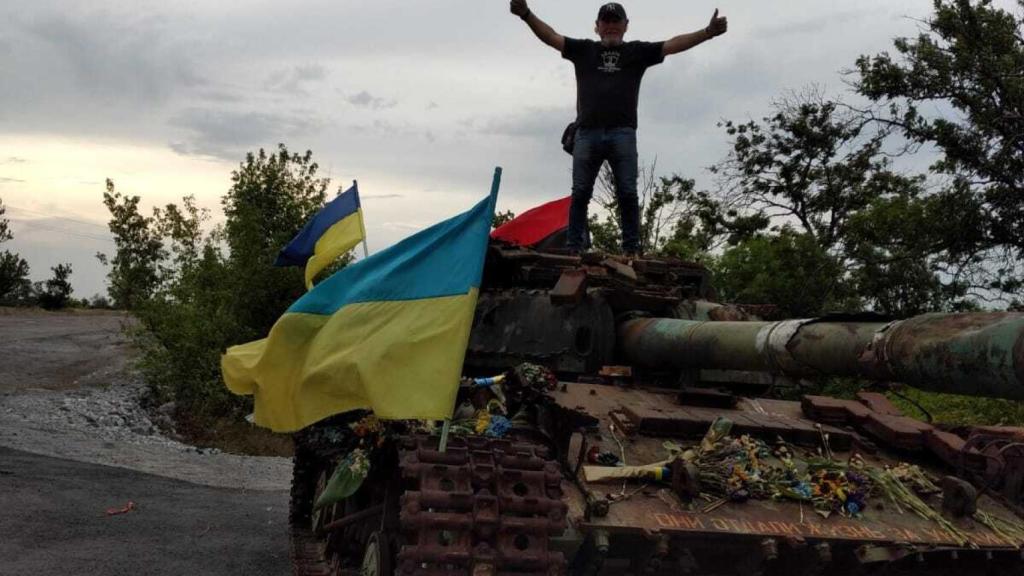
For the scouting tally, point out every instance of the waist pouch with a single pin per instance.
(569, 137)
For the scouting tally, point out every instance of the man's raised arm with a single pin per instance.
(546, 34)
(683, 42)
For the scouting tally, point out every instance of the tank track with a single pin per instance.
(484, 507)
(306, 551)
(306, 556)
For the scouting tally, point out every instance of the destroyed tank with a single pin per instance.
(614, 420)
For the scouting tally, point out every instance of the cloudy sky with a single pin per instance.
(417, 99)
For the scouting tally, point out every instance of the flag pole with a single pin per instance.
(445, 428)
(362, 225)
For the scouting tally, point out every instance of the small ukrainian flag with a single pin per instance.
(333, 231)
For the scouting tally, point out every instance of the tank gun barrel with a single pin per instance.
(977, 354)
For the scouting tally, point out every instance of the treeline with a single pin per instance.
(17, 290)
(814, 209)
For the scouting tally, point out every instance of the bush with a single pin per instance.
(214, 290)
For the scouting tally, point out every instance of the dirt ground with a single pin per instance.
(59, 350)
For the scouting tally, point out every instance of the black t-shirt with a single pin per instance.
(608, 80)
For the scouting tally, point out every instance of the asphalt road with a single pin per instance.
(53, 521)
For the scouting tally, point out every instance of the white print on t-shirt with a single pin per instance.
(609, 61)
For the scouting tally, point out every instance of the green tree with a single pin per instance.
(181, 229)
(134, 268)
(958, 87)
(820, 177)
(502, 218)
(5, 230)
(14, 282)
(56, 292)
(813, 163)
(790, 270)
(905, 254)
(270, 199)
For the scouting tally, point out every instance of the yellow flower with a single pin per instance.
(483, 420)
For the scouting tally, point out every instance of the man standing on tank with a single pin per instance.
(608, 75)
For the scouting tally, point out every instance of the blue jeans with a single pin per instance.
(593, 147)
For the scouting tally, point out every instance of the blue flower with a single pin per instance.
(803, 489)
(498, 427)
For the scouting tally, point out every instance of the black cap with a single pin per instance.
(611, 11)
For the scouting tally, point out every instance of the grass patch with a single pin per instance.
(961, 410)
(949, 409)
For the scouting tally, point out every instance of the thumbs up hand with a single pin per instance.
(519, 8)
(717, 26)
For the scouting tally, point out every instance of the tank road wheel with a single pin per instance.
(357, 535)
(377, 556)
(306, 550)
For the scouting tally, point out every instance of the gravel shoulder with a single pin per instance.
(66, 392)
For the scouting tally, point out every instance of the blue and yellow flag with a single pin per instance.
(333, 231)
(388, 333)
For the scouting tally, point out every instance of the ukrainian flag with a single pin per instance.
(333, 231)
(388, 333)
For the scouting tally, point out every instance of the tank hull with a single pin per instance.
(631, 341)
